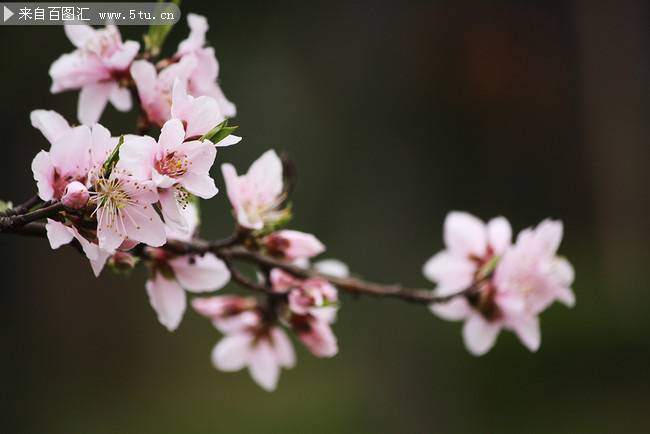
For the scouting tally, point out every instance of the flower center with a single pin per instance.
(173, 165)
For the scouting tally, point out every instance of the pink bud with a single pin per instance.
(75, 195)
(294, 244)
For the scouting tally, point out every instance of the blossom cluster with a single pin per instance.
(131, 198)
(501, 285)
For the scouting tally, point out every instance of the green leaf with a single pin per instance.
(218, 133)
(156, 36)
(4, 206)
(112, 159)
(283, 219)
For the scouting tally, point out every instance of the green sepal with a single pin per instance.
(218, 133)
(156, 36)
(112, 159)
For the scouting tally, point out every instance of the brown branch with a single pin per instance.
(23, 207)
(13, 222)
(234, 248)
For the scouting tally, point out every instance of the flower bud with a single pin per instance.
(123, 261)
(75, 195)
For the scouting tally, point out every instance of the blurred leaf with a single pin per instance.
(156, 36)
(4, 206)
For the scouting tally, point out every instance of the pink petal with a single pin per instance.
(123, 57)
(452, 273)
(145, 77)
(454, 310)
(79, 34)
(144, 225)
(232, 184)
(263, 366)
(232, 352)
(201, 154)
(464, 234)
(50, 123)
(58, 234)
(70, 153)
(199, 185)
(168, 300)
(527, 329)
(200, 273)
(43, 171)
(171, 135)
(266, 174)
(479, 335)
(229, 140)
(332, 267)
(120, 97)
(92, 101)
(284, 352)
(198, 27)
(499, 234)
(137, 156)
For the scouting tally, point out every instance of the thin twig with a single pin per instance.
(15, 221)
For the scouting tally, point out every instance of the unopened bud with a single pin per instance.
(75, 195)
(123, 260)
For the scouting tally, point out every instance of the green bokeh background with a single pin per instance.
(395, 113)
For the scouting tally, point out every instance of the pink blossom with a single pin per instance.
(204, 78)
(264, 350)
(76, 154)
(312, 296)
(173, 275)
(75, 195)
(470, 245)
(293, 244)
(175, 166)
(256, 197)
(527, 279)
(96, 67)
(316, 334)
(199, 115)
(124, 211)
(59, 234)
(67, 160)
(155, 88)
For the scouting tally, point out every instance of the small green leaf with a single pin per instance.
(218, 133)
(4, 206)
(112, 159)
(281, 221)
(156, 36)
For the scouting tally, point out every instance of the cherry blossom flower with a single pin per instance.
(199, 115)
(67, 160)
(256, 197)
(313, 304)
(523, 281)
(313, 296)
(176, 167)
(173, 275)
(249, 341)
(96, 67)
(293, 244)
(124, 211)
(76, 154)
(204, 78)
(470, 245)
(264, 350)
(155, 88)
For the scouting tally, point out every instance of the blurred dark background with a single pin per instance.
(395, 113)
